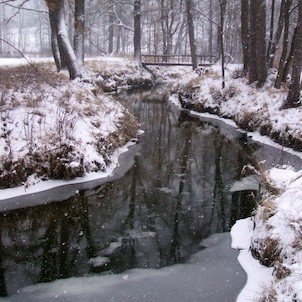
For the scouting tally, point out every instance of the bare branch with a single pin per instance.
(6, 1)
(122, 25)
(19, 7)
(206, 17)
(120, 22)
(30, 64)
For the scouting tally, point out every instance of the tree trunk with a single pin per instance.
(2, 30)
(271, 31)
(211, 29)
(57, 21)
(118, 41)
(257, 65)
(222, 4)
(163, 27)
(245, 7)
(293, 97)
(285, 44)
(290, 56)
(111, 32)
(79, 30)
(277, 34)
(180, 37)
(54, 44)
(191, 33)
(137, 31)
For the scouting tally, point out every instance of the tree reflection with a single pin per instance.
(67, 228)
(243, 202)
(175, 195)
(175, 246)
(3, 291)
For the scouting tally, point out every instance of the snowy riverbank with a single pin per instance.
(78, 118)
(54, 129)
(273, 234)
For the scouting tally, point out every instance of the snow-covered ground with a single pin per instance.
(52, 128)
(8, 62)
(253, 109)
(274, 233)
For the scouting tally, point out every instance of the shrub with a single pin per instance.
(222, 95)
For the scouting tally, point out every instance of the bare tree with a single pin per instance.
(111, 31)
(62, 46)
(222, 4)
(293, 97)
(278, 33)
(79, 30)
(245, 33)
(210, 27)
(271, 31)
(137, 31)
(257, 66)
(189, 7)
(285, 43)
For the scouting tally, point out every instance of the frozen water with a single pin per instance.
(213, 274)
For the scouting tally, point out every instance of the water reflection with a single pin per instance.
(176, 194)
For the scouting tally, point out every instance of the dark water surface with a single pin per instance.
(175, 194)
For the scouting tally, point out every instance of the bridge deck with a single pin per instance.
(175, 64)
(177, 60)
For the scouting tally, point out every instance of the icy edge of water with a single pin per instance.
(258, 276)
(256, 136)
(56, 190)
(212, 274)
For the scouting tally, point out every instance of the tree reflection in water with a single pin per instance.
(175, 195)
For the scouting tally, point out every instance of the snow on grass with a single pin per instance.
(56, 130)
(274, 234)
(258, 275)
(112, 73)
(8, 62)
(252, 109)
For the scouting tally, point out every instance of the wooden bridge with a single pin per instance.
(177, 60)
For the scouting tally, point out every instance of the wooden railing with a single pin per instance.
(182, 60)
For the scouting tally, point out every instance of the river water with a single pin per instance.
(175, 194)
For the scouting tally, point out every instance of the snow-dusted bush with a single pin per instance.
(222, 95)
(277, 236)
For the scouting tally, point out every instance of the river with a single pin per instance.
(175, 194)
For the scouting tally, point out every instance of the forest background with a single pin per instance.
(260, 34)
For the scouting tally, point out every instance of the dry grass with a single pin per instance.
(273, 91)
(269, 209)
(21, 77)
(267, 251)
(268, 293)
(196, 81)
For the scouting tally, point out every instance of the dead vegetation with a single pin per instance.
(29, 101)
(20, 78)
(267, 251)
(268, 294)
(194, 95)
(110, 78)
